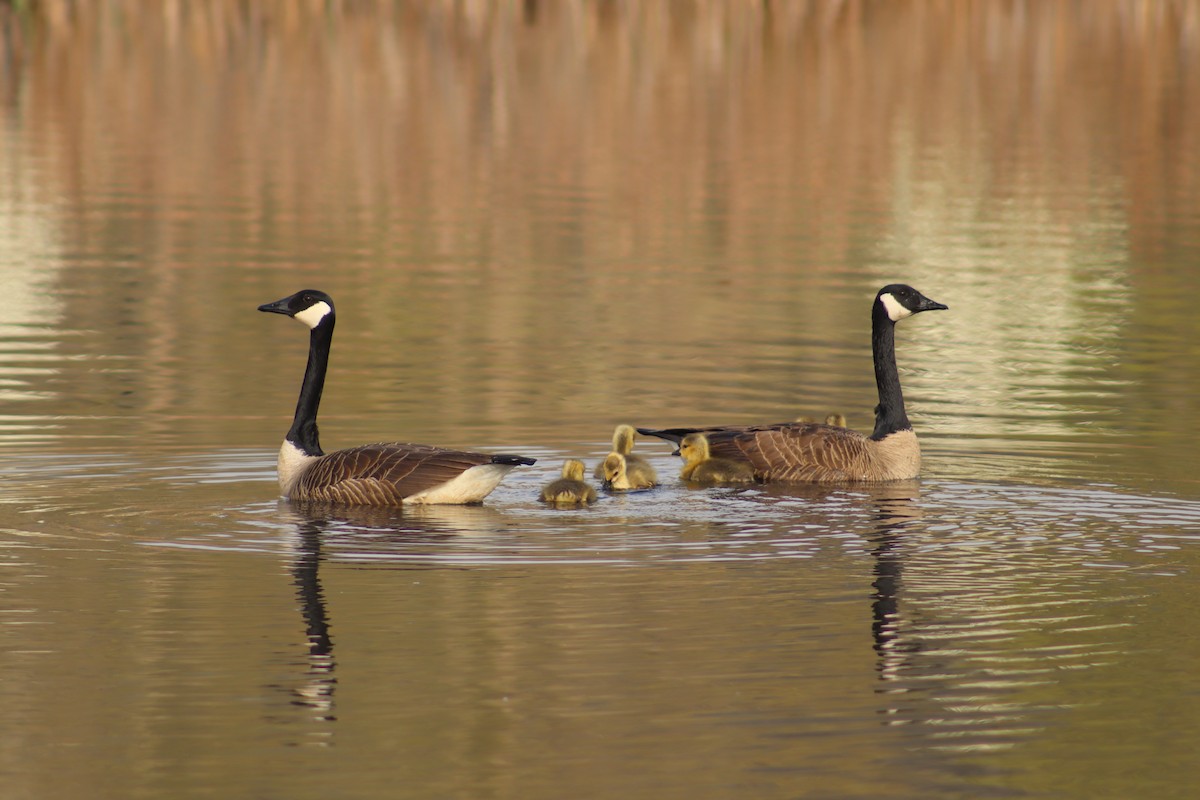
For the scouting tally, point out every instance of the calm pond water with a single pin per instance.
(540, 220)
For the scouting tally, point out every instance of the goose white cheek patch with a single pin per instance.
(313, 315)
(895, 311)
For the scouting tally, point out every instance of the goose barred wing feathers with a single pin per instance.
(790, 452)
(386, 473)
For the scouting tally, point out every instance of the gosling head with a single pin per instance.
(308, 306)
(573, 469)
(623, 439)
(693, 448)
(898, 300)
(614, 468)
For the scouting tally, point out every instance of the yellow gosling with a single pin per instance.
(620, 474)
(622, 443)
(699, 464)
(570, 489)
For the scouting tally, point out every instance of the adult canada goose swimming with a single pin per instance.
(619, 473)
(383, 474)
(570, 488)
(807, 452)
(700, 465)
(623, 444)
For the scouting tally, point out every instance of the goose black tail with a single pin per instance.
(515, 460)
(670, 434)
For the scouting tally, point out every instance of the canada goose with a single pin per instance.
(623, 444)
(813, 453)
(570, 488)
(700, 465)
(381, 474)
(620, 473)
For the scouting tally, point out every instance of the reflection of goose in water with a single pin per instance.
(407, 536)
(896, 508)
(798, 452)
(382, 474)
(977, 612)
(326, 533)
(317, 690)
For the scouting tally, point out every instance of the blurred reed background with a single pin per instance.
(376, 99)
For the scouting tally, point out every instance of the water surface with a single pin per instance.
(541, 220)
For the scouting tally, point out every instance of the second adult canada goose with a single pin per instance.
(700, 465)
(384, 474)
(619, 473)
(622, 443)
(807, 452)
(570, 489)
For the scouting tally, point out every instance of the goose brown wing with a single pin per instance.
(797, 452)
(383, 474)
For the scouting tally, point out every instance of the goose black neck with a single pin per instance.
(303, 432)
(889, 414)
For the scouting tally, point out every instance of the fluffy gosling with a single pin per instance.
(619, 473)
(570, 489)
(622, 443)
(699, 464)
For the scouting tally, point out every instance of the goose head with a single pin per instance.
(309, 306)
(573, 469)
(899, 300)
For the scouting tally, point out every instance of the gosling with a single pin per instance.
(701, 466)
(833, 420)
(620, 473)
(622, 443)
(570, 489)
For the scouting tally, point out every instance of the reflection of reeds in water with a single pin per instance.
(381, 90)
(272, 99)
(439, 138)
